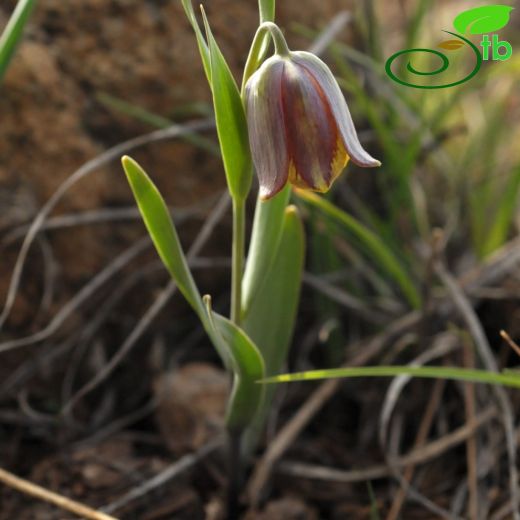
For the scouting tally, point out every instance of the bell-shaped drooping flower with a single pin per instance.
(300, 128)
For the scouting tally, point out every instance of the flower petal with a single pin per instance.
(266, 126)
(323, 76)
(311, 132)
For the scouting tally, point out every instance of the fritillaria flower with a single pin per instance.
(300, 128)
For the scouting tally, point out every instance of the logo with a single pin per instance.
(478, 21)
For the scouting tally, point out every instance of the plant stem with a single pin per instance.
(238, 253)
(259, 48)
(239, 226)
(234, 474)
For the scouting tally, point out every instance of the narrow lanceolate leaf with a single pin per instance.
(500, 225)
(378, 250)
(273, 307)
(203, 47)
(160, 226)
(247, 366)
(13, 32)
(230, 120)
(430, 372)
(272, 315)
(265, 239)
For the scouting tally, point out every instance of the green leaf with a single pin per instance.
(273, 309)
(231, 122)
(270, 322)
(485, 19)
(13, 32)
(416, 21)
(237, 351)
(265, 239)
(381, 254)
(267, 10)
(203, 47)
(246, 363)
(429, 372)
(150, 118)
(501, 223)
(160, 226)
(374, 509)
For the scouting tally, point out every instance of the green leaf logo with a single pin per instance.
(481, 20)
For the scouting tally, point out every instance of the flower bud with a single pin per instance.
(300, 128)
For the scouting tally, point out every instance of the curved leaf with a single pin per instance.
(237, 351)
(247, 365)
(270, 322)
(231, 122)
(13, 32)
(501, 223)
(381, 254)
(485, 19)
(160, 226)
(265, 239)
(203, 47)
(506, 378)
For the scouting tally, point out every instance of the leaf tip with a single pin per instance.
(204, 17)
(291, 210)
(129, 163)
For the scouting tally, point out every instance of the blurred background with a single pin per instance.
(106, 379)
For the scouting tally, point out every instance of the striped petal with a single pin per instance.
(266, 126)
(316, 152)
(329, 86)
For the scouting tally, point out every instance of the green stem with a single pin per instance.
(259, 48)
(238, 253)
(237, 270)
(235, 476)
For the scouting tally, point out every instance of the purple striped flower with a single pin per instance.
(300, 128)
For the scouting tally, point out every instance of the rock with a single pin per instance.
(286, 508)
(192, 405)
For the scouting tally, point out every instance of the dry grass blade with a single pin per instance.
(333, 29)
(287, 435)
(463, 305)
(88, 290)
(24, 486)
(510, 342)
(177, 468)
(343, 298)
(504, 261)
(444, 344)
(500, 265)
(99, 216)
(159, 303)
(471, 444)
(109, 155)
(426, 453)
(420, 440)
